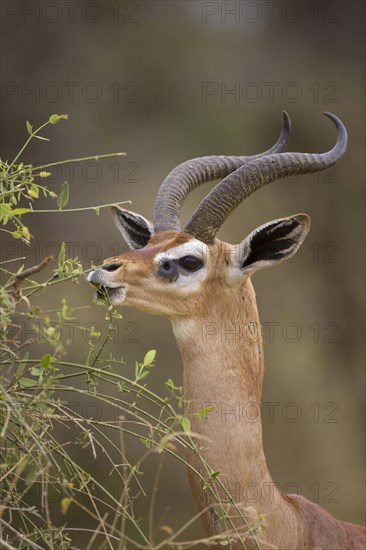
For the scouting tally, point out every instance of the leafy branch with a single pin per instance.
(49, 447)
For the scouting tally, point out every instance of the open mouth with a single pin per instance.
(108, 294)
(103, 292)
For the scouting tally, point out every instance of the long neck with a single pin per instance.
(223, 367)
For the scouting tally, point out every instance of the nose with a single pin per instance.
(112, 267)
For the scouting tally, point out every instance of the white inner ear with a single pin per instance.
(238, 253)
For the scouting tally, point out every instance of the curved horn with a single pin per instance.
(192, 173)
(236, 187)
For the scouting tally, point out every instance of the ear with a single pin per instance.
(136, 230)
(273, 242)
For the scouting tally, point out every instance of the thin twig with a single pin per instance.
(20, 535)
(98, 532)
(19, 278)
(6, 545)
(95, 208)
(153, 498)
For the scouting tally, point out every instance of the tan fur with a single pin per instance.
(218, 332)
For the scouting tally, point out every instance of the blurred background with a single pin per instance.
(168, 81)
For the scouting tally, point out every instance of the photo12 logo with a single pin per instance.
(269, 12)
(70, 11)
(69, 92)
(269, 92)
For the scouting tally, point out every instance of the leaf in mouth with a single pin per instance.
(102, 292)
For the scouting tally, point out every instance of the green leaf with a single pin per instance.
(143, 375)
(36, 371)
(149, 357)
(23, 364)
(61, 256)
(19, 211)
(26, 233)
(169, 384)
(46, 361)
(186, 424)
(162, 444)
(65, 505)
(146, 441)
(116, 315)
(33, 191)
(206, 411)
(63, 197)
(31, 475)
(55, 118)
(29, 127)
(5, 212)
(27, 383)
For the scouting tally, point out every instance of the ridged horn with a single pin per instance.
(236, 187)
(183, 179)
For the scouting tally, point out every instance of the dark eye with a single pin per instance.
(190, 263)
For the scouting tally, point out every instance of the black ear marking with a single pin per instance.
(138, 231)
(135, 229)
(270, 244)
(273, 231)
(274, 242)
